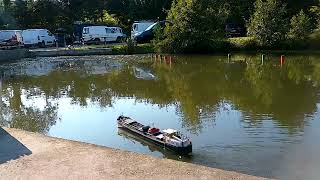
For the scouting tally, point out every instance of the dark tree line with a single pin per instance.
(53, 14)
(57, 13)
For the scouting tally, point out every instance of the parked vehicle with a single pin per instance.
(140, 26)
(98, 34)
(10, 37)
(117, 34)
(38, 37)
(234, 30)
(147, 35)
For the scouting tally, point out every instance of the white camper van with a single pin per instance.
(10, 37)
(140, 26)
(97, 34)
(40, 37)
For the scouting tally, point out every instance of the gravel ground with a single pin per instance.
(53, 158)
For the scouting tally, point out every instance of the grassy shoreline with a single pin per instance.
(149, 48)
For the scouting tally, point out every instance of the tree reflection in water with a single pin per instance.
(198, 86)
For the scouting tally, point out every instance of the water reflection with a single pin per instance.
(152, 147)
(244, 105)
(195, 87)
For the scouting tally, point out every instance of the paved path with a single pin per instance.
(53, 158)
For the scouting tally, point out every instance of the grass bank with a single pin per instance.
(250, 44)
(121, 48)
(138, 49)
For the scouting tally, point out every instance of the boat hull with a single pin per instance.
(179, 150)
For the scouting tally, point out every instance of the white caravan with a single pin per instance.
(10, 37)
(40, 37)
(139, 27)
(98, 34)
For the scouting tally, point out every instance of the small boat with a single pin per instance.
(168, 139)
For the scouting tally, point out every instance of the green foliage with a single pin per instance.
(148, 9)
(194, 24)
(6, 5)
(268, 24)
(158, 40)
(315, 10)
(130, 46)
(6, 20)
(138, 49)
(295, 6)
(108, 19)
(128, 11)
(301, 27)
(38, 14)
(139, 9)
(56, 14)
(243, 43)
(240, 11)
(53, 14)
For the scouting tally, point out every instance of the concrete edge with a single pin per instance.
(72, 155)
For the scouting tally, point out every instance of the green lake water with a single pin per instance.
(241, 114)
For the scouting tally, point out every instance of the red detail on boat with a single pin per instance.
(153, 130)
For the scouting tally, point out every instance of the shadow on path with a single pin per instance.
(11, 148)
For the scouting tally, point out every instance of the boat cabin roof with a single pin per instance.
(160, 136)
(170, 131)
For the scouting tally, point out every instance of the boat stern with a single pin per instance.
(187, 150)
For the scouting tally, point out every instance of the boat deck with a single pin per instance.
(134, 125)
(153, 134)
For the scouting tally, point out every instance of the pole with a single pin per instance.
(282, 60)
(229, 57)
(262, 59)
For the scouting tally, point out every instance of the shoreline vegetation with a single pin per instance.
(231, 47)
(237, 44)
(192, 26)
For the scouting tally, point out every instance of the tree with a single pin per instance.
(294, 6)
(2, 23)
(240, 11)
(127, 11)
(316, 13)
(45, 14)
(193, 25)
(108, 19)
(268, 24)
(301, 27)
(7, 5)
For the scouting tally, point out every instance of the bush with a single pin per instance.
(300, 27)
(138, 49)
(268, 24)
(158, 40)
(243, 43)
(107, 18)
(194, 24)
